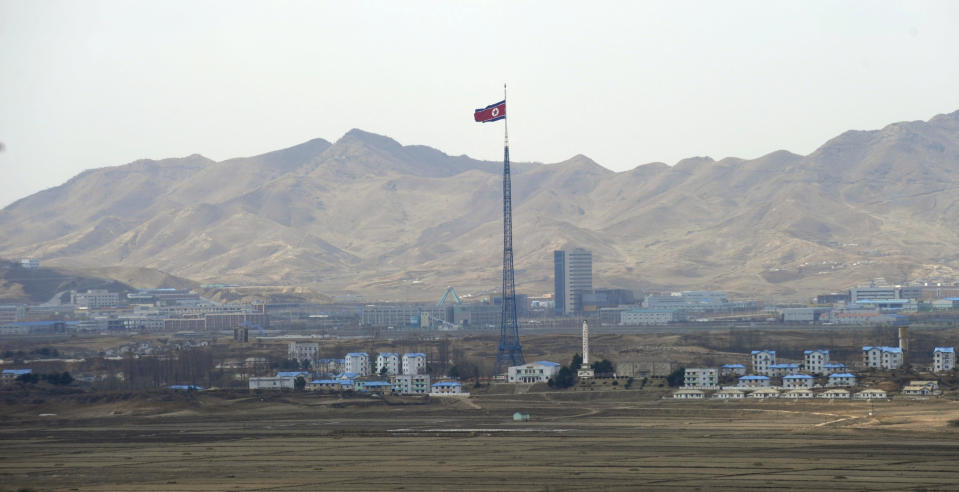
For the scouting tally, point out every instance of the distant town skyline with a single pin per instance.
(102, 83)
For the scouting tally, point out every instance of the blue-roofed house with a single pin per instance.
(9, 375)
(943, 359)
(185, 387)
(753, 381)
(833, 368)
(446, 388)
(796, 381)
(782, 369)
(358, 362)
(814, 360)
(732, 369)
(414, 363)
(841, 379)
(535, 372)
(330, 385)
(374, 386)
(390, 361)
(762, 359)
(882, 357)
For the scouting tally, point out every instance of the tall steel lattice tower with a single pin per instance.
(510, 351)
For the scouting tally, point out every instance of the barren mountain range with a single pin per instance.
(370, 216)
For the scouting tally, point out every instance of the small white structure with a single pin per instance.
(798, 393)
(732, 369)
(841, 379)
(358, 363)
(414, 363)
(870, 394)
(882, 357)
(389, 360)
(272, 383)
(835, 393)
(689, 394)
(703, 378)
(412, 384)
(729, 394)
(943, 359)
(762, 359)
(795, 381)
(446, 388)
(753, 381)
(584, 370)
(815, 360)
(535, 372)
(764, 393)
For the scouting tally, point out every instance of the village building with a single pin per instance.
(779, 370)
(447, 388)
(10, 375)
(414, 363)
(870, 394)
(833, 368)
(835, 393)
(272, 383)
(689, 394)
(815, 360)
(535, 372)
(301, 351)
(412, 384)
(329, 385)
(794, 381)
(704, 378)
(732, 370)
(841, 379)
(390, 361)
(382, 387)
(882, 357)
(762, 359)
(753, 381)
(729, 394)
(358, 362)
(943, 359)
(922, 388)
(764, 393)
(798, 393)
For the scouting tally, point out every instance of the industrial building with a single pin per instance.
(534, 372)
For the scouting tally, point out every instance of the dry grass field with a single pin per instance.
(574, 441)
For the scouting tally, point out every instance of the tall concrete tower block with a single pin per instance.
(573, 276)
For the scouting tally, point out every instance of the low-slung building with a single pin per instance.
(535, 372)
(782, 369)
(764, 393)
(9, 375)
(922, 388)
(798, 393)
(689, 394)
(446, 388)
(729, 394)
(300, 351)
(412, 384)
(835, 393)
(732, 370)
(882, 357)
(329, 385)
(943, 359)
(273, 383)
(870, 394)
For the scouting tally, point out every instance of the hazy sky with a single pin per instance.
(88, 84)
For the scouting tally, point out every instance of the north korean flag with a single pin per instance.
(493, 112)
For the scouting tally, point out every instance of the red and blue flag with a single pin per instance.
(493, 112)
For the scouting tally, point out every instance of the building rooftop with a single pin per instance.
(797, 376)
(445, 384)
(18, 372)
(783, 366)
(376, 383)
(842, 375)
(944, 349)
(754, 352)
(806, 352)
(546, 363)
(387, 354)
(733, 366)
(291, 374)
(894, 350)
(185, 387)
(357, 354)
(753, 378)
(414, 354)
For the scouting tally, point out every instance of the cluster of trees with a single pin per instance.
(57, 378)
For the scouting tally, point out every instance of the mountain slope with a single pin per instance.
(366, 213)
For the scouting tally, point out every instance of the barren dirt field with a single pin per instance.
(574, 441)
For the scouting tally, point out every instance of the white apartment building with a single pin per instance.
(358, 363)
(780, 370)
(389, 360)
(301, 351)
(943, 359)
(446, 388)
(814, 361)
(414, 363)
(93, 299)
(882, 357)
(536, 372)
(411, 384)
(762, 359)
(797, 381)
(753, 381)
(843, 379)
(704, 378)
